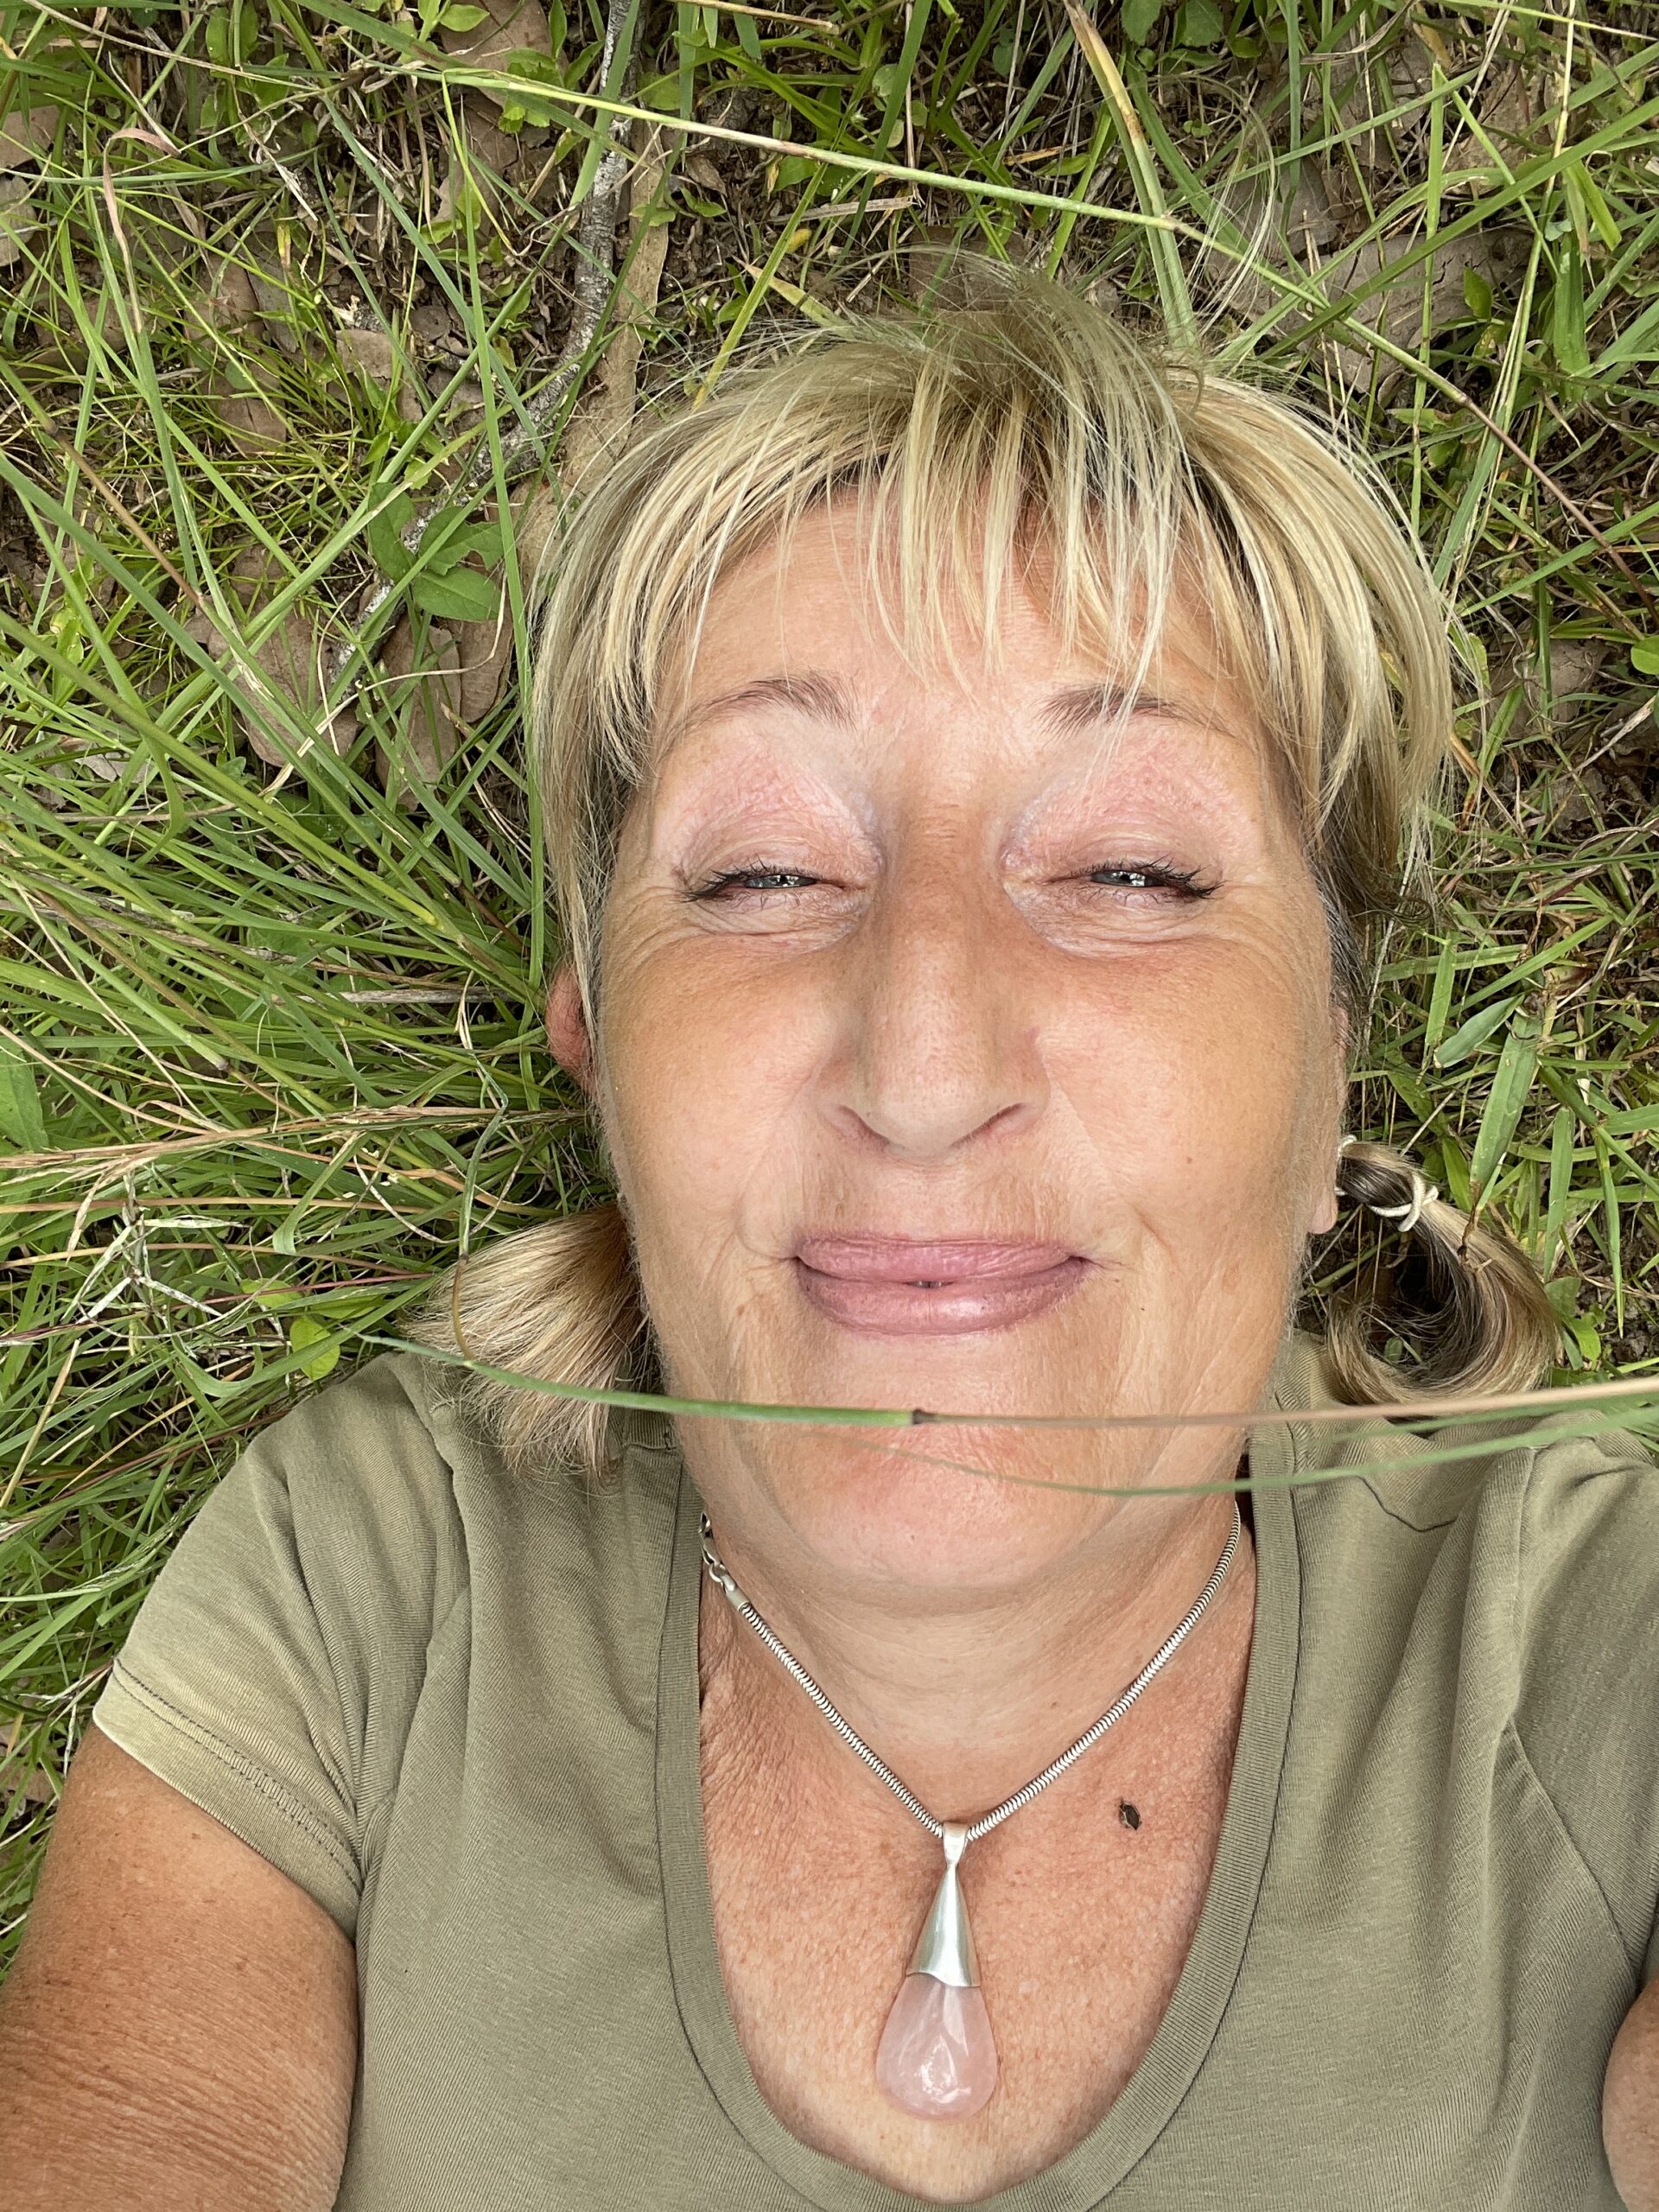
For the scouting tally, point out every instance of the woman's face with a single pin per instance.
(983, 973)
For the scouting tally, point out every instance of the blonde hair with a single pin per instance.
(972, 438)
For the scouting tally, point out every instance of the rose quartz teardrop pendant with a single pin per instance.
(937, 2056)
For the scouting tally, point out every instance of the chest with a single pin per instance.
(1404, 1994)
(1083, 1919)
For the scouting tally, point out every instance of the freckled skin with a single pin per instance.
(944, 1018)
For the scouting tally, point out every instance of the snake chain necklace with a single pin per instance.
(937, 2056)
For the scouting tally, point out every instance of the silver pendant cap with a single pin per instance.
(946, 1946)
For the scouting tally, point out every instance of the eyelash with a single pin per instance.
(1184, 882)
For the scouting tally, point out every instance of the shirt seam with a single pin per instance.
(196, 1731)
(367, 1822)
(326, 1642)
(1634, 1960)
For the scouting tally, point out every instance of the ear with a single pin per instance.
(1324, 1214)
(566, 1030)
(1327, 1211)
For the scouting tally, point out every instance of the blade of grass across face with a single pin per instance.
(1453, 1410)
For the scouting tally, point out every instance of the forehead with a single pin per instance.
(811, 635)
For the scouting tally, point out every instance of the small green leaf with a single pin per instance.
(392, 557)
(1198, 23)
(1140, 19)
(1560, 1184)
(1644, 657)
(460, 18)
(533, 69)
(1477, 295)
(1587, 1340)
(1517, 1066)
(1588, 205)
(304, 1332)
(1474, 1033)
(288, 941)
(1567, 312)
(462, 595)
(483, 538)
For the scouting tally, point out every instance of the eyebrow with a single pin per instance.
(1081, 706)
(823, 698)
(1068, 713)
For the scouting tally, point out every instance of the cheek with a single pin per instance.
(1198, 1069)
(705, 1062)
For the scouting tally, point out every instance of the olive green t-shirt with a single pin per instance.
(459, 1709)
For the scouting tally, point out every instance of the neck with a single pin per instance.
(967, 1704)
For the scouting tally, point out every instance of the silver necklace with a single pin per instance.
(937, 2056)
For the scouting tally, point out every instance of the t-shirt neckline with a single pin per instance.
(1171, 2062)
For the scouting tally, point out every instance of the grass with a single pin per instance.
(282, 281)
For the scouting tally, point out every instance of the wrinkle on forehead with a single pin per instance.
(962, 605)
(1129, 660)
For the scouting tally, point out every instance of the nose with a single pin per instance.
(940, 1043)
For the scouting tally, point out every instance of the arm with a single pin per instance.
(180, 2030)
(1630, 2104)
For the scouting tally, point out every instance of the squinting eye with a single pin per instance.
(1144, 875)
(1138, 876)
(751, 876)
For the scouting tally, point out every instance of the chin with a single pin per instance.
(944, 1527)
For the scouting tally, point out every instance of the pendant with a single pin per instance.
(938, 2057)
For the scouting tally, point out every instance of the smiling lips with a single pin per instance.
(892, 1286)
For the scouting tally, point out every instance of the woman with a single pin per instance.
(975, 756)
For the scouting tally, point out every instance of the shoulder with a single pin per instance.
(1587, 1595)
(378, 1435)
(1513, 1589)
(1362, 1480)
(394, 1390)
(393, 1472)
(360, 1476)
(1591, 1515)
(1587, 1662)
(1543, 1542)
(1562, 1494)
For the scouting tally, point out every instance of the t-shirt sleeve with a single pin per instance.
(271, 1671)
(1589, 1689)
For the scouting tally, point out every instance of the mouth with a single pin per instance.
(894, 1286)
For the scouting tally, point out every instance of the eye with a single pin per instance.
(1158, 877)
(761, 880)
